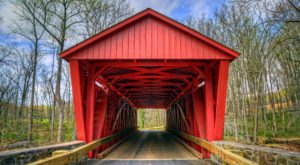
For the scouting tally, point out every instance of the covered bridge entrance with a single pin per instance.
(149, 61)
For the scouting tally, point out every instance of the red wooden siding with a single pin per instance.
(149, 38)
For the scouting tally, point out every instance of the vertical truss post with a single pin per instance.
(136, 119)
(170, 117)
(167, 118)
(184, 123)
(77, 86)
(199, 116)
(126, 119)
(222, 79)
(176, 118)
(100, 115)
(190, 116)
(122, 118)
(209, 104)
(173, 118)
(117, 118)
(129, 118)
(90, 110)
(132, 118)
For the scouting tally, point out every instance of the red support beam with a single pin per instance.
(90, 105)
(222, 79)
(161, 77)
(148, 84)
(113, 88)
(209, 104)
(104, 130)
(100, 115)
(77, 86)
(154, 72)
(190, 117)
(199, 117)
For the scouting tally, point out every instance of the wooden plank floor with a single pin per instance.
(150, 147)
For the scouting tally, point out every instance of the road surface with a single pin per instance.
(150, 148)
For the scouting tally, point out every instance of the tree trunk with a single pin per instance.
(255, 125)
(16, 102)
(30, 117)
(245, 114)
(59, 101)
(21, 109)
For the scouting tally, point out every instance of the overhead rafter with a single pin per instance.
(146, 84)
(104, 82)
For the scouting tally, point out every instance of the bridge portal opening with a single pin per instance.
(151, 119)
(149, 61)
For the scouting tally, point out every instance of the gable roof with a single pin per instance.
(149, 12)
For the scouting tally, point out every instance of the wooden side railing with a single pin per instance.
(77, 154)
(225, 155)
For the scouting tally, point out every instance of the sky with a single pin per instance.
(176, 9)
(179, 9)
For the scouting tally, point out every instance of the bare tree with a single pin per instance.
(99, 15)
(28, 28)
(57, 18)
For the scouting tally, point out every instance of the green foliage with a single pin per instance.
(141, 119)
(15, 131)
(151, 118)
(265, 131)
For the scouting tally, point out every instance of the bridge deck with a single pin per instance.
(150, 147)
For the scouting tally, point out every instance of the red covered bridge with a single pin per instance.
(149, 61)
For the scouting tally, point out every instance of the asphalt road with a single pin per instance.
(150, 148)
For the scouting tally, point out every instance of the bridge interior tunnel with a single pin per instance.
(107, 95)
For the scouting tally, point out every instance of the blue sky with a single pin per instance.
(178, 9)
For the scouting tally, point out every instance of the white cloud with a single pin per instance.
(163, 6)
(7, 12)
(199, 7)
(196, 8)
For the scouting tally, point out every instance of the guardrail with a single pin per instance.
(224, 155)
(75, 155)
